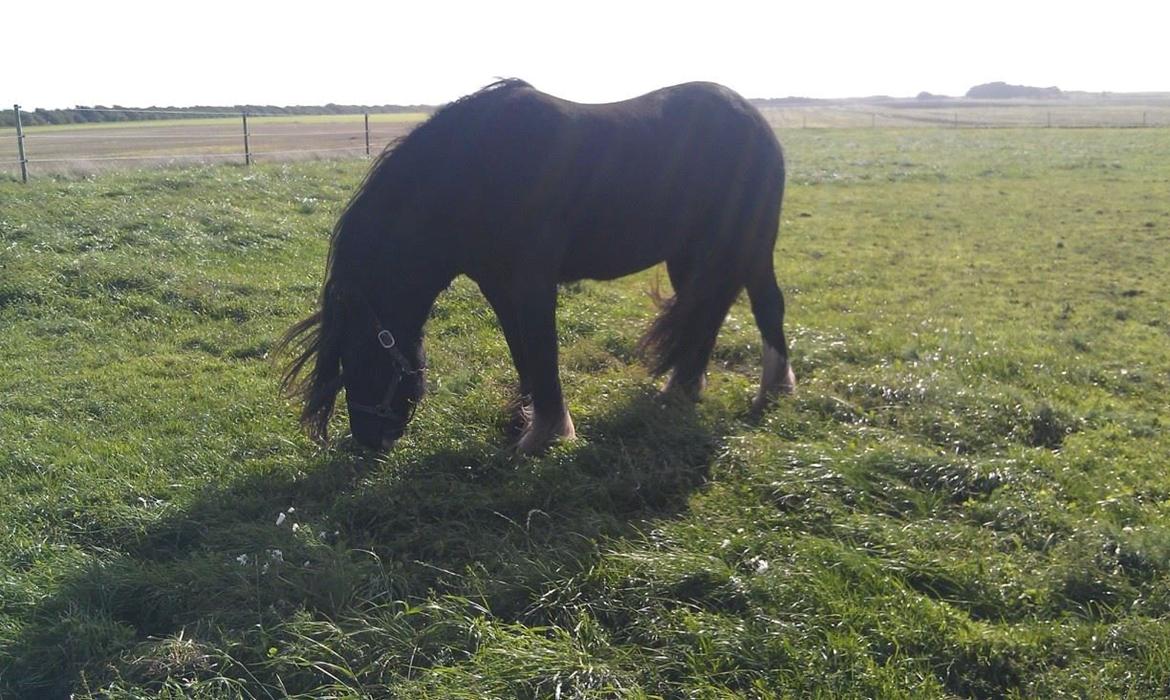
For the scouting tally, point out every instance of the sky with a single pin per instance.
(211, 52)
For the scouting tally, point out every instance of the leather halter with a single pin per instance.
(402, 368)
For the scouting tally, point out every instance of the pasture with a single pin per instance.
(968, 496)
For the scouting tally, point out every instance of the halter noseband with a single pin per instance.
(402, 368)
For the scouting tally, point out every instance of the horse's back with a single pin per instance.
(665, 173)
(603, 190)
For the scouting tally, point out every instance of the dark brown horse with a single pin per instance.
(520, 191)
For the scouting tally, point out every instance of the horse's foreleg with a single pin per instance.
(520, 407)
(537, 330)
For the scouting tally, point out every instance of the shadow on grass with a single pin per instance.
(326, 539)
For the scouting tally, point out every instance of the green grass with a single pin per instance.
(969, 496)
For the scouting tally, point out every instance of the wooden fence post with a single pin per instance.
(20, 145)
(247, 147)
(367, 116)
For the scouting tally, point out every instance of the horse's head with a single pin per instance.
(377, 358)
(382, 368)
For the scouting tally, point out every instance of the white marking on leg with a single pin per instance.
(777, 378)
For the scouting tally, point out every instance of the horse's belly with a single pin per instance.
(606, 256)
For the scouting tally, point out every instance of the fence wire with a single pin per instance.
(86, 159)
(122, 137)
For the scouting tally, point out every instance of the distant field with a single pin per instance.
(973, 114)
(968, 496)
(89, 147)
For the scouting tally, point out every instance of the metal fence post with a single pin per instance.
(367, 116)
(247, 148)
(20, 145)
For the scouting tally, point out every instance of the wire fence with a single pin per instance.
(152, 136)
(198, 137)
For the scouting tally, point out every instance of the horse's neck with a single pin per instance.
(403, 265)
(411, 285)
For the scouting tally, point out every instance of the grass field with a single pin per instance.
(969, 496)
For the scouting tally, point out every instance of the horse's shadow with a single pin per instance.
(345, 530)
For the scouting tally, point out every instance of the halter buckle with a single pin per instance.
(386, 339)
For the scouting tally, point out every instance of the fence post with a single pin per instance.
(247, 148)
(20, 145)
(367, 116)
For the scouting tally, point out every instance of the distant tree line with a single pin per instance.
(87, 115)
(1003, 91)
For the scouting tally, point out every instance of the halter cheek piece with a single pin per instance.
(402, 368)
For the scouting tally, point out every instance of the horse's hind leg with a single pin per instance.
(768, 308)
(704, 311)
(689, 386)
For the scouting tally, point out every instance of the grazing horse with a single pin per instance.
(521, 191)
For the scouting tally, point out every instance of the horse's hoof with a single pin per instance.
(767, 396)
(520, 418)
(689, 391)
(539, 435)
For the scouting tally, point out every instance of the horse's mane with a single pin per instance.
(318, 337)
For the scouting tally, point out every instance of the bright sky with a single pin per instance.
(65, 53)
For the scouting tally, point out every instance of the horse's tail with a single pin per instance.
(684, 333)
(688, 322)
